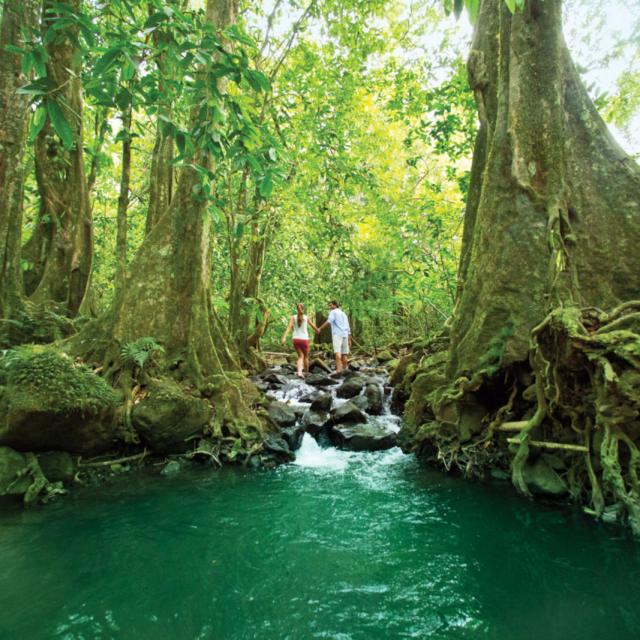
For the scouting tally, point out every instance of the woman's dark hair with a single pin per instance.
(334, 303)
(300, 307)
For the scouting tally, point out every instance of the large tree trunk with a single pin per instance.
(14, 113)
(167, 293)
(123, 201)
(61, 248)
(552, 222)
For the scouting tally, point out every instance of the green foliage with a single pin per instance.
(140, 352)
(40, 372)
(35, 323)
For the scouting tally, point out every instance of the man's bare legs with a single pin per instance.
(345, 361)
(339, 358)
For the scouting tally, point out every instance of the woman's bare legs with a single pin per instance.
(300, 361)
(306, 362)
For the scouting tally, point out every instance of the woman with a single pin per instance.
(299, 324)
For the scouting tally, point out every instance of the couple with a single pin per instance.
(340, 333)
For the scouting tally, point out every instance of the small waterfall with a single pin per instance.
(311, 454)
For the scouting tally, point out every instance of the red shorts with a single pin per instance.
(302, 344)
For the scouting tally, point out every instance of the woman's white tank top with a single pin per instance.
(300, 332)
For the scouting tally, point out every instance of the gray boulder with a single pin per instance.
(277, 448)
(282, 414)
(322, 403)
(320, 380)
(373, 394)
(315, 422)
(362, 437)
(347, 413)
(293, 436)
(351, 387)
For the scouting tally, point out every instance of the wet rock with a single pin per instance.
(293, 436)
(362, 437)
(315, 422)
(299, 411)
(57, 466)
(171, 468)
(274, 379)
(278, 448)
(375, 404)
(322, 403)
(320, 380)
(310, 397)
(361, 402)
(167, 417)
(281, 414)
(347, 413)
(543, 480)
(317, 365)
(351, 387)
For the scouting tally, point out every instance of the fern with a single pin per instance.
(140, 351)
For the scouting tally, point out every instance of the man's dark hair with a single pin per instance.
(334, 303)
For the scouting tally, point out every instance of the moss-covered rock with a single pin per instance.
(57, 466)
(167, 417)
(384, 356)
(50, 402)
(12, 480)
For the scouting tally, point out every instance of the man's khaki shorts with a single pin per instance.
(340, 345)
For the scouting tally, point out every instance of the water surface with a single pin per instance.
(339, 545)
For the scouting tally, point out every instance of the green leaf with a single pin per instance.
(266, 186)
(107, 61)
(512, 5)
(181, 141)
(37, 122)
(239, 230)
(60, 123)
(257, 80)
(155, 19)
(39, 87)
(457, 8)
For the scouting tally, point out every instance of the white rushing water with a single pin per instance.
(311, 454)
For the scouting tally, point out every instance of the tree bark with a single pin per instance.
(550, 241)
(554, 205)
(123, 202)
(61, 248)
(167, 293)
(14, 115)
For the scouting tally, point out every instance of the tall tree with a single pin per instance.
(18, 25)
(61, 247)
(552, 222)
(167, 292)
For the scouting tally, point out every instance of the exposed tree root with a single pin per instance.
(585, 365)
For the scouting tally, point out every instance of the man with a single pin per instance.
(340, 334)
